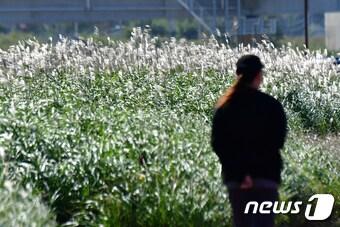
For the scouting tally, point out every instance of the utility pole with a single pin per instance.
(306, 23)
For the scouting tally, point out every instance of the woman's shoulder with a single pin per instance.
(268, 98)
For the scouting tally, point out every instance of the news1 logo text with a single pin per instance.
(322, 208)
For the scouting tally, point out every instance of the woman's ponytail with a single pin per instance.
(237, 85)
(247, 67)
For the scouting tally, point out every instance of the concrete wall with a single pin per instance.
(272, 7)
(54, 11)
(332, 26)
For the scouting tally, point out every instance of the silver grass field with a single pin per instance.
(118, 133)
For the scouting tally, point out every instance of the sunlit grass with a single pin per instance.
(119, 134)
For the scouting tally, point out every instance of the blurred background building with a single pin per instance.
(281, 20)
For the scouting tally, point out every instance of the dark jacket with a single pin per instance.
(247, 134)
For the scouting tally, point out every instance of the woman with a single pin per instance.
(248, 131)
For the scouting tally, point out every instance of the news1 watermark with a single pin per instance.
(322, 208)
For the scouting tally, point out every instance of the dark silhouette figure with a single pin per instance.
(249, 129)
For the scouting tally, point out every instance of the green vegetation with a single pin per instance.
(184, 28)
(133, 149)
(7, 40)
(19, 206)
(131, 146)
(314, 43)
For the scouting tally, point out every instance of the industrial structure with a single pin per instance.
(239, 17)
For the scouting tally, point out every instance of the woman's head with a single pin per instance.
(248, 65)
(249, 70)
(249, 73)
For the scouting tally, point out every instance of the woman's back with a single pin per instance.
(248, 131)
